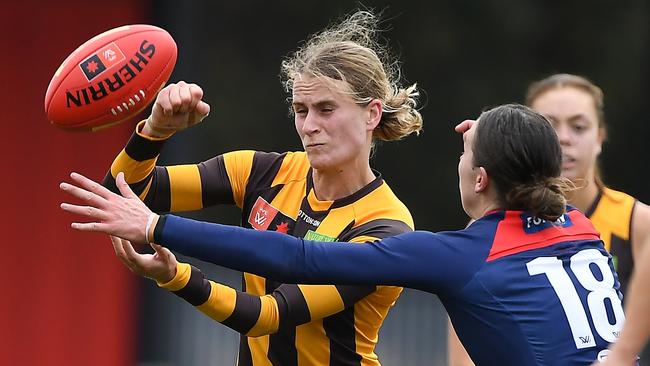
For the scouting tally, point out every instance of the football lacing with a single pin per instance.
(136, 98)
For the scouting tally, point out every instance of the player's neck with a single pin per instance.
(583, 198)
(330, 185)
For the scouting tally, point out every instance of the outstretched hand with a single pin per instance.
(160, 266)
(123, 216)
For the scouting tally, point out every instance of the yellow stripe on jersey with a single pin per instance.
(321, 309)
(221, 303)
(134, 171)
(269, 319)
(180, 280)
(185, 187)
(238, 167)
(312, 344)
(613, 215)
(259, 348)
(295, 166)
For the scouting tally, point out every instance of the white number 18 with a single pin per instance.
(599, 290)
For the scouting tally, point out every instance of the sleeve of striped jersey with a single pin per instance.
(180, 187)
(248, 314)
(434, 262)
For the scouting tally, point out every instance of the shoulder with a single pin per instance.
(617, 197)
(640, 224)
(382, 203)
(276, 168)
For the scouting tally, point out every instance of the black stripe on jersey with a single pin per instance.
(295, 314)
(197, 291)
(310, 181)
(376, 183)
(622, 250)
(264, 169)
(282, 344)
(245, 358)
(302, 225)
(381, 228)
(109, 182)
(352, 294)
(140, 148)
(159, 197)
(215, 184)
(246, 313)
(339, 328)
(157, 231)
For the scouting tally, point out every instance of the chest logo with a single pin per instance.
(312, 235)
(264, 216)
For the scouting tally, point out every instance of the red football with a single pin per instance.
(110, 78)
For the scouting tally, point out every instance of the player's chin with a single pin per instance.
(319, 161)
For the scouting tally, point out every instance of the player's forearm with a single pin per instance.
(282, 257)
(244, 313)
(137, 161)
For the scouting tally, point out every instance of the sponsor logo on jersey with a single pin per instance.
(308, 219)
(265, 216)
(312, 235)
(533, 224)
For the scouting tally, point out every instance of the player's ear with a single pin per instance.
(374, 114)
(482, 180)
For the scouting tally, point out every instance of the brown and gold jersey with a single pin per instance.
(281, 324)
(611, 214)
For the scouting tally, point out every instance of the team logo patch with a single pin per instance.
(106, 57)
(264, 216)
(312, 235)
(534, 224)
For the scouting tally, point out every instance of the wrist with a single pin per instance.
(168, 275)
(149, 229)
(149, 130)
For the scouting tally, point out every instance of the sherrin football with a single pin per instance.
(110, 78)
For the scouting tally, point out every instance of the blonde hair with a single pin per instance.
(348, 51)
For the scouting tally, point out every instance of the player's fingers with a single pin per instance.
(91, 185)
(87, 211)
(464, 126)
(186, 98)
(91, 227)
(162, 100)
(117, 246)
(124, 188)
(163, 252)
(195, 97)
(89, 198)
(136, 259)
(196, 91)
(175, 98)
(202, 109)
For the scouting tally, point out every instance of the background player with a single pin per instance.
(515, 282)
(575, 107)
(345, 95)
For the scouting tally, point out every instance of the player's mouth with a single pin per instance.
(314, 145)
(568, 162)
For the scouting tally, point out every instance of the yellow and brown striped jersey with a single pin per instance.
(611, 214)
(281, 324)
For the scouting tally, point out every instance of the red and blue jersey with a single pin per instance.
(519, 290)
